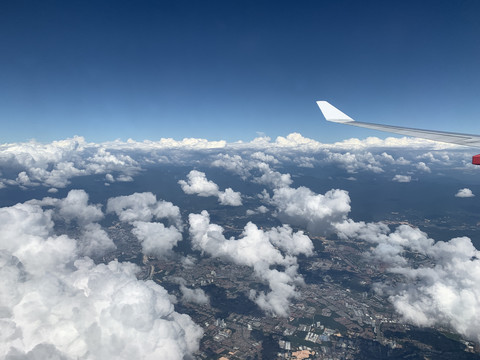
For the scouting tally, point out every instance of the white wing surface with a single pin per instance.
(331, 113)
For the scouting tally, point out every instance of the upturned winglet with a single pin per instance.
(331, 113)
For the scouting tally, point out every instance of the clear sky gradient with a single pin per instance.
(235, 69)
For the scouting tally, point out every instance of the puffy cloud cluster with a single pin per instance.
(353, 162)
(259, 210)
(143, 207)
(259, 163)
(53, 164)
(196, 296)
(443, 290)
(188, 144)
(390, 142)
(353, 155)
(260, 250)
(198, 184)
(423, 167)
(234, 163)
(464, 193)
(272, 178)
(139, 209)
(402, 178)
(55, 304)
(261, 156)
(315, 212)
(93, 240)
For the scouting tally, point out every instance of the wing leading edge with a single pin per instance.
(332, 114)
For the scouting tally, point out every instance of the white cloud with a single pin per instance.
(272, 178)
(124, 178)
(156, 239)
(93, 240)
(441, 291)
(353, 162)
(233, 163)
(464, 193)
(139, 209)
(57, 305)
(292, 243)
(402, 178)
(26, 232)
(95, 312)
(260, 210)
(316, 212)
(144, 207)
(198, 184)
(230, 197)
(423, 167)
(255, 248)
(305, 161)
(264, 157)
(402, 161)
(165, 144)
(75, 207)
(390, 142)
(196, 296)
(54, 164)
(296, 140)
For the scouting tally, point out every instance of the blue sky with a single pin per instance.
(235, 69)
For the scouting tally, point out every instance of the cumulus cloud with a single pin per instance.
(94, 241)
(422, 167)
(196, 296)
(75, 207)
(390, 142)
(144, 207)
(260, 250)
(464, 193)
(264, 157)
(316, 212)
(56, 305)
(271, 177)
(305, 161)
(230, 197)
(440, 291)
(259, 210)
(26, 232)
(402, 178)
(233, 163)
(198, 184)
(139, 209)
(53, 165)
(353, 162)
(156, 239)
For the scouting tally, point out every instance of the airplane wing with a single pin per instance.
(331, 113)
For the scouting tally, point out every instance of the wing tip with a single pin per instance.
(331, 113)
